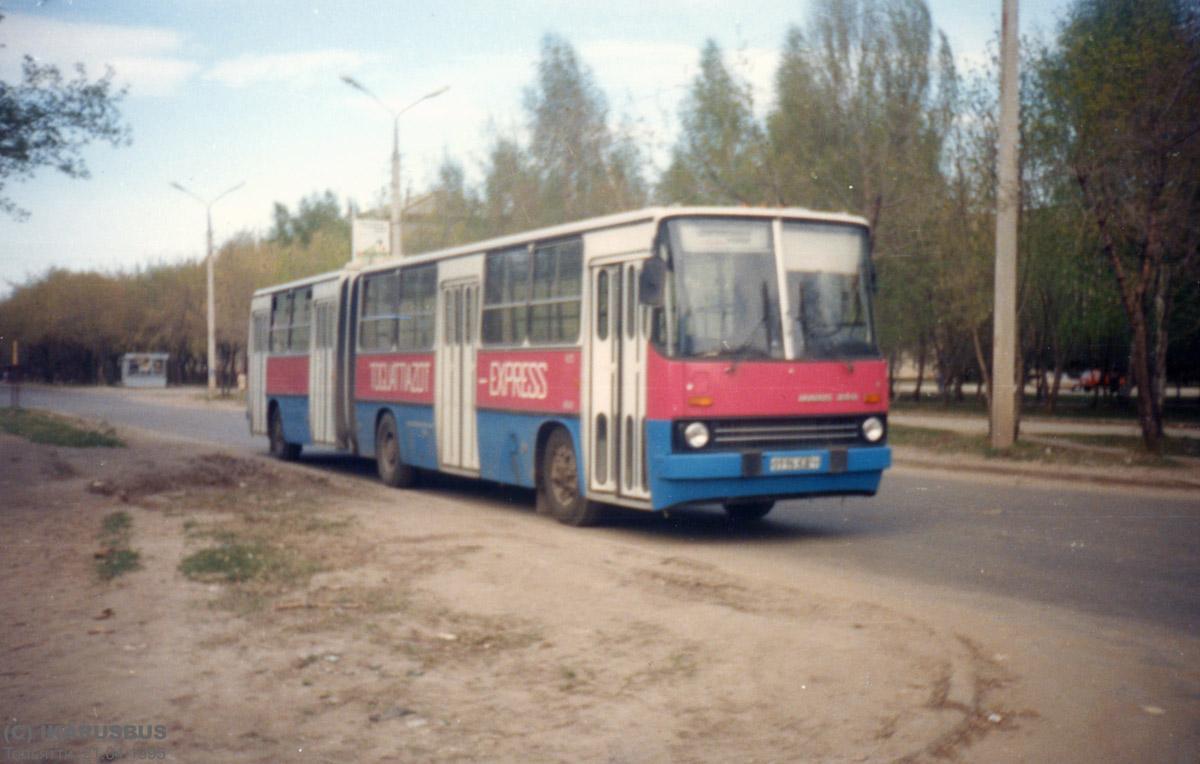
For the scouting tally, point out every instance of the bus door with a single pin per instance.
(321, 366)
(615, 427)
(458, 442)
(256, 369)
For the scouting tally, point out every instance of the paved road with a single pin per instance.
(1117, 552)
(216, 423)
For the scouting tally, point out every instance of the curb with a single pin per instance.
(914, 458)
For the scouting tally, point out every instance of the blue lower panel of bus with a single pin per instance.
(677, 478)
(293, 415)
(418, 446)
(508, 445)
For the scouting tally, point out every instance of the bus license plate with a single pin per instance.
(795, 463)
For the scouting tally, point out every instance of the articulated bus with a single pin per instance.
(653, 359)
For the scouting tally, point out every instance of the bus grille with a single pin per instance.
(778, 434)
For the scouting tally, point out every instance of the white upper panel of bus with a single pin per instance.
(605, 236)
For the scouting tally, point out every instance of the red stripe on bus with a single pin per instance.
(529, 380)
(763, 388)
(287, 375)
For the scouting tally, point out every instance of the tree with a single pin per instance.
(510, 188)
(450, 214)
(1122, 90)
(718, 158)
(583, 168)
(866, 95)
(314, 213)
(864, 99)
(46, 120)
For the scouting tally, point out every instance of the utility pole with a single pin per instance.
(1004, 329)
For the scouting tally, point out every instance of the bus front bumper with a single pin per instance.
(682, 478)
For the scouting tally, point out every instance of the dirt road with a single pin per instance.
(414, 626)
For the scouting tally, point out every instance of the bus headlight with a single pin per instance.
(872, 429)
(696, 435)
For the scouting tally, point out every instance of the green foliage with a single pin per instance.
(316, 213)
(116, 558)
(718, 158)
(118, 561)
(864, 98)
(455, 213)
(580, 172)
(116, 526)
(1120, 105)
(866, 104)
(51, 429)
(511, 187)
(73, 327)
(46, 120)
(231, 562)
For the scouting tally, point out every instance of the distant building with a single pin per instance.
(144, 370)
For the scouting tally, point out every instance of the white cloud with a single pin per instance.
(295, 69)
(142, 57)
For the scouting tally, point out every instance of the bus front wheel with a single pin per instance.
(392, 469)
(280, 448)
(748, 511)
(558, 490)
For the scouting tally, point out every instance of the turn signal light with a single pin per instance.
(700, 400)
(872, 398)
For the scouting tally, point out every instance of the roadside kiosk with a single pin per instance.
(144, 370)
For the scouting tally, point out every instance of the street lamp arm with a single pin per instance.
(346, 78)
(226, 192)
(178, 187)
(206, 202)
(397, 248)
(426, 97)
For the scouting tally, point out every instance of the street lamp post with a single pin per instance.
(397, 247)
(212, 313)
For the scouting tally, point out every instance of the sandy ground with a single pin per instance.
(424, 626)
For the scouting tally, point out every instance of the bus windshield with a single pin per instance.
(737, 293)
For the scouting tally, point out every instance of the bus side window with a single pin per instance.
(506, 297)
(281, 320)
(301, 327)
(631, 302)
(417, 307)
(557, 292)
(602, 305)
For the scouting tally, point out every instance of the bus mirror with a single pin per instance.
(651, 282)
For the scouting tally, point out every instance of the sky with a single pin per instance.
(225, 92)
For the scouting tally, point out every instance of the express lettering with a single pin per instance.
(400, 377)
(518, 379)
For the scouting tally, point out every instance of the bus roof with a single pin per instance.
(308, 281)
(648, 214)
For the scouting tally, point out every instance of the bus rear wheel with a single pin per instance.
(558, 491)
(388, 459)
(748, 511)
(280, 448)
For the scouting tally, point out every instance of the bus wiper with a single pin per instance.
(747, 344)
